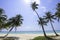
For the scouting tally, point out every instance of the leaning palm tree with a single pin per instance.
(14, 22)
(17, 16)
(3, 18)
(57, 13)
(34, 7)
(42, 22)
(49, 17)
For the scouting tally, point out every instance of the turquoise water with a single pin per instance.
(28, 32)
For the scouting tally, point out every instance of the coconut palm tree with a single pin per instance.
(14, 22)
(57, 13)
(34, 7)
(42, 22)
(49, 17)
(3, 18)
(20, 21)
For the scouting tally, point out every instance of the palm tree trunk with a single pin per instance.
(42, 25)
(53, 28)
(8, 32)
(37, 14)
(44, 31)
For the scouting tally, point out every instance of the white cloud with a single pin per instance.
(43, 8)
(27, 1)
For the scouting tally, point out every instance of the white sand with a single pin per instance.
(25, 36)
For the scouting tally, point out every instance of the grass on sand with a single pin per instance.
(45, 38)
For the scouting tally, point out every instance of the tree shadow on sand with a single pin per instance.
(9, 38)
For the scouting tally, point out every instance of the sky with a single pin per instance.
(23, 7)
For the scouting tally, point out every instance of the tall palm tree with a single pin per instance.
(57, 13)
(3, 18)
(42, 22)
(49, 17)
(34, 7)
(14, 22)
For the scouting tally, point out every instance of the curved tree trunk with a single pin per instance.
(8, 32)
(53, 28)
(42, 26)
(44, 31)
(37, 14)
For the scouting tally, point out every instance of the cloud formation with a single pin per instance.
(43, 8)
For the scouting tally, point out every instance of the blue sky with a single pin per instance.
(23, 7)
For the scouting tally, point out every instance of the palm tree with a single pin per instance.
(42, 22)
(34, 7)
(20, 21)
(14, 22)
(57, 13)
(3, 18)
(49, 17)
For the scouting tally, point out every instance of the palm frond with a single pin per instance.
(1, 11)
(34, 6)
(42, 21)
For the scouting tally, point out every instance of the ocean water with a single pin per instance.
(28, 32)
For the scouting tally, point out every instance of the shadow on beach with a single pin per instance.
(53, 38)
(9, 38)
(47, 38)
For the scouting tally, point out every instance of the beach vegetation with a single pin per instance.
(44, 38)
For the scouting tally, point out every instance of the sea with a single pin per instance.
(28, 32)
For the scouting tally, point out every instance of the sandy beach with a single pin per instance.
(26, 36)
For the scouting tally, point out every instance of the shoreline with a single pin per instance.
(27, 36)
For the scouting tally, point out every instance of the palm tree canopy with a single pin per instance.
(2, 15)
(42, 21)
(48, 16)
(58, 7)
(34, 6)
(3, 18)
(1, 11)
(18, 20)
(15, 21)
(57, 13)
